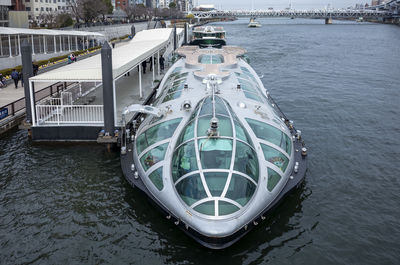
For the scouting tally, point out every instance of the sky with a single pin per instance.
(281, 4)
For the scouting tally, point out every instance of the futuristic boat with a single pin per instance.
(253, 23)
(212, 150)
(209, 37)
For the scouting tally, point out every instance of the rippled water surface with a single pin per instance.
(63, 204)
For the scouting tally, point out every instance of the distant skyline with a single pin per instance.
(281, 4)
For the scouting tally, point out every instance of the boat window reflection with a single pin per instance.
(156, 134)
(275, 157)
(154, 156)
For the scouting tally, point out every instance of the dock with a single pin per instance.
(75, 101)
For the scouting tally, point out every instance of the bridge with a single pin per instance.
(389, 10)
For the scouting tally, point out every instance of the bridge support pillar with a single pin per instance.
(328, 21)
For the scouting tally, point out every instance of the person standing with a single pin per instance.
(15, 77)
(21, 77)
(144, 64)
(35, 68)
(162, 63)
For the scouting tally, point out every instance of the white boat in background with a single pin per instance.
(254, 24)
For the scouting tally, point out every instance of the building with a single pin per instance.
(17, 5)
(121, 4)
(164, 3)
(4, 8)
(37, 7)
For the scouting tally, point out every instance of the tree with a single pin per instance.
(105, 8)
(172, 5)
(64, 20)
(47, 19)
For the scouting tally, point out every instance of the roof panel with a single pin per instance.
(125, 57)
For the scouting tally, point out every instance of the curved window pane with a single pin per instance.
(252, 96)
(224, 126)
(156, 178)
(275, 157)
(172, 96)
(240, 133)
(266, 132)
(207, 208)
(211, 59)
(203, 125)
(215, 153)
(240, 189)
(247, 86)
(154, 156)
(188, 133)
(176, 87)
(216, 182)
(273, 179)
(286, 144)
(220, 107)
(225, 208)
(184, 161)
(246, 161)
(156, 133)
(207, 107)
(191, 189)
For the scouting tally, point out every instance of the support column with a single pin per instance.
(108, 89)
(154, 68)
(133, 31)
(1, 46)
(140, 81)
(19, 45)
(69, 43)
(328, 20)
(44, 44)
(158, 64)
(174, 38)
(185, 42)
(55, 44)
(9, 45)
(33, 45)
(61, 47)
(16, 45)
(27, 71)
(76, 43)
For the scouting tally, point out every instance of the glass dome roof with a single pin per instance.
(216, 174)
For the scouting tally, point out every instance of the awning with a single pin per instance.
(50, 32)
(145, 44)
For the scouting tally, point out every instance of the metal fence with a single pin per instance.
(69, 114)
(14, 107)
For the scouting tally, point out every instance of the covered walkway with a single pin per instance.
(45, 41)
(84, 107)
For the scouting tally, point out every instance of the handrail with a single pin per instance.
(41, 94)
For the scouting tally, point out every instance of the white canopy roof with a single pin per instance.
(16, 31)
(142, 46)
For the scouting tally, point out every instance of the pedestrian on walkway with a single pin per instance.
(144, 64)
(15, 77)
(162, 63)
(35, 68)
(3, 81)
(21, 77)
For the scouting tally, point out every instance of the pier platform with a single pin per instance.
(77, 113)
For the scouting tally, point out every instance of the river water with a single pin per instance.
(70, 204)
